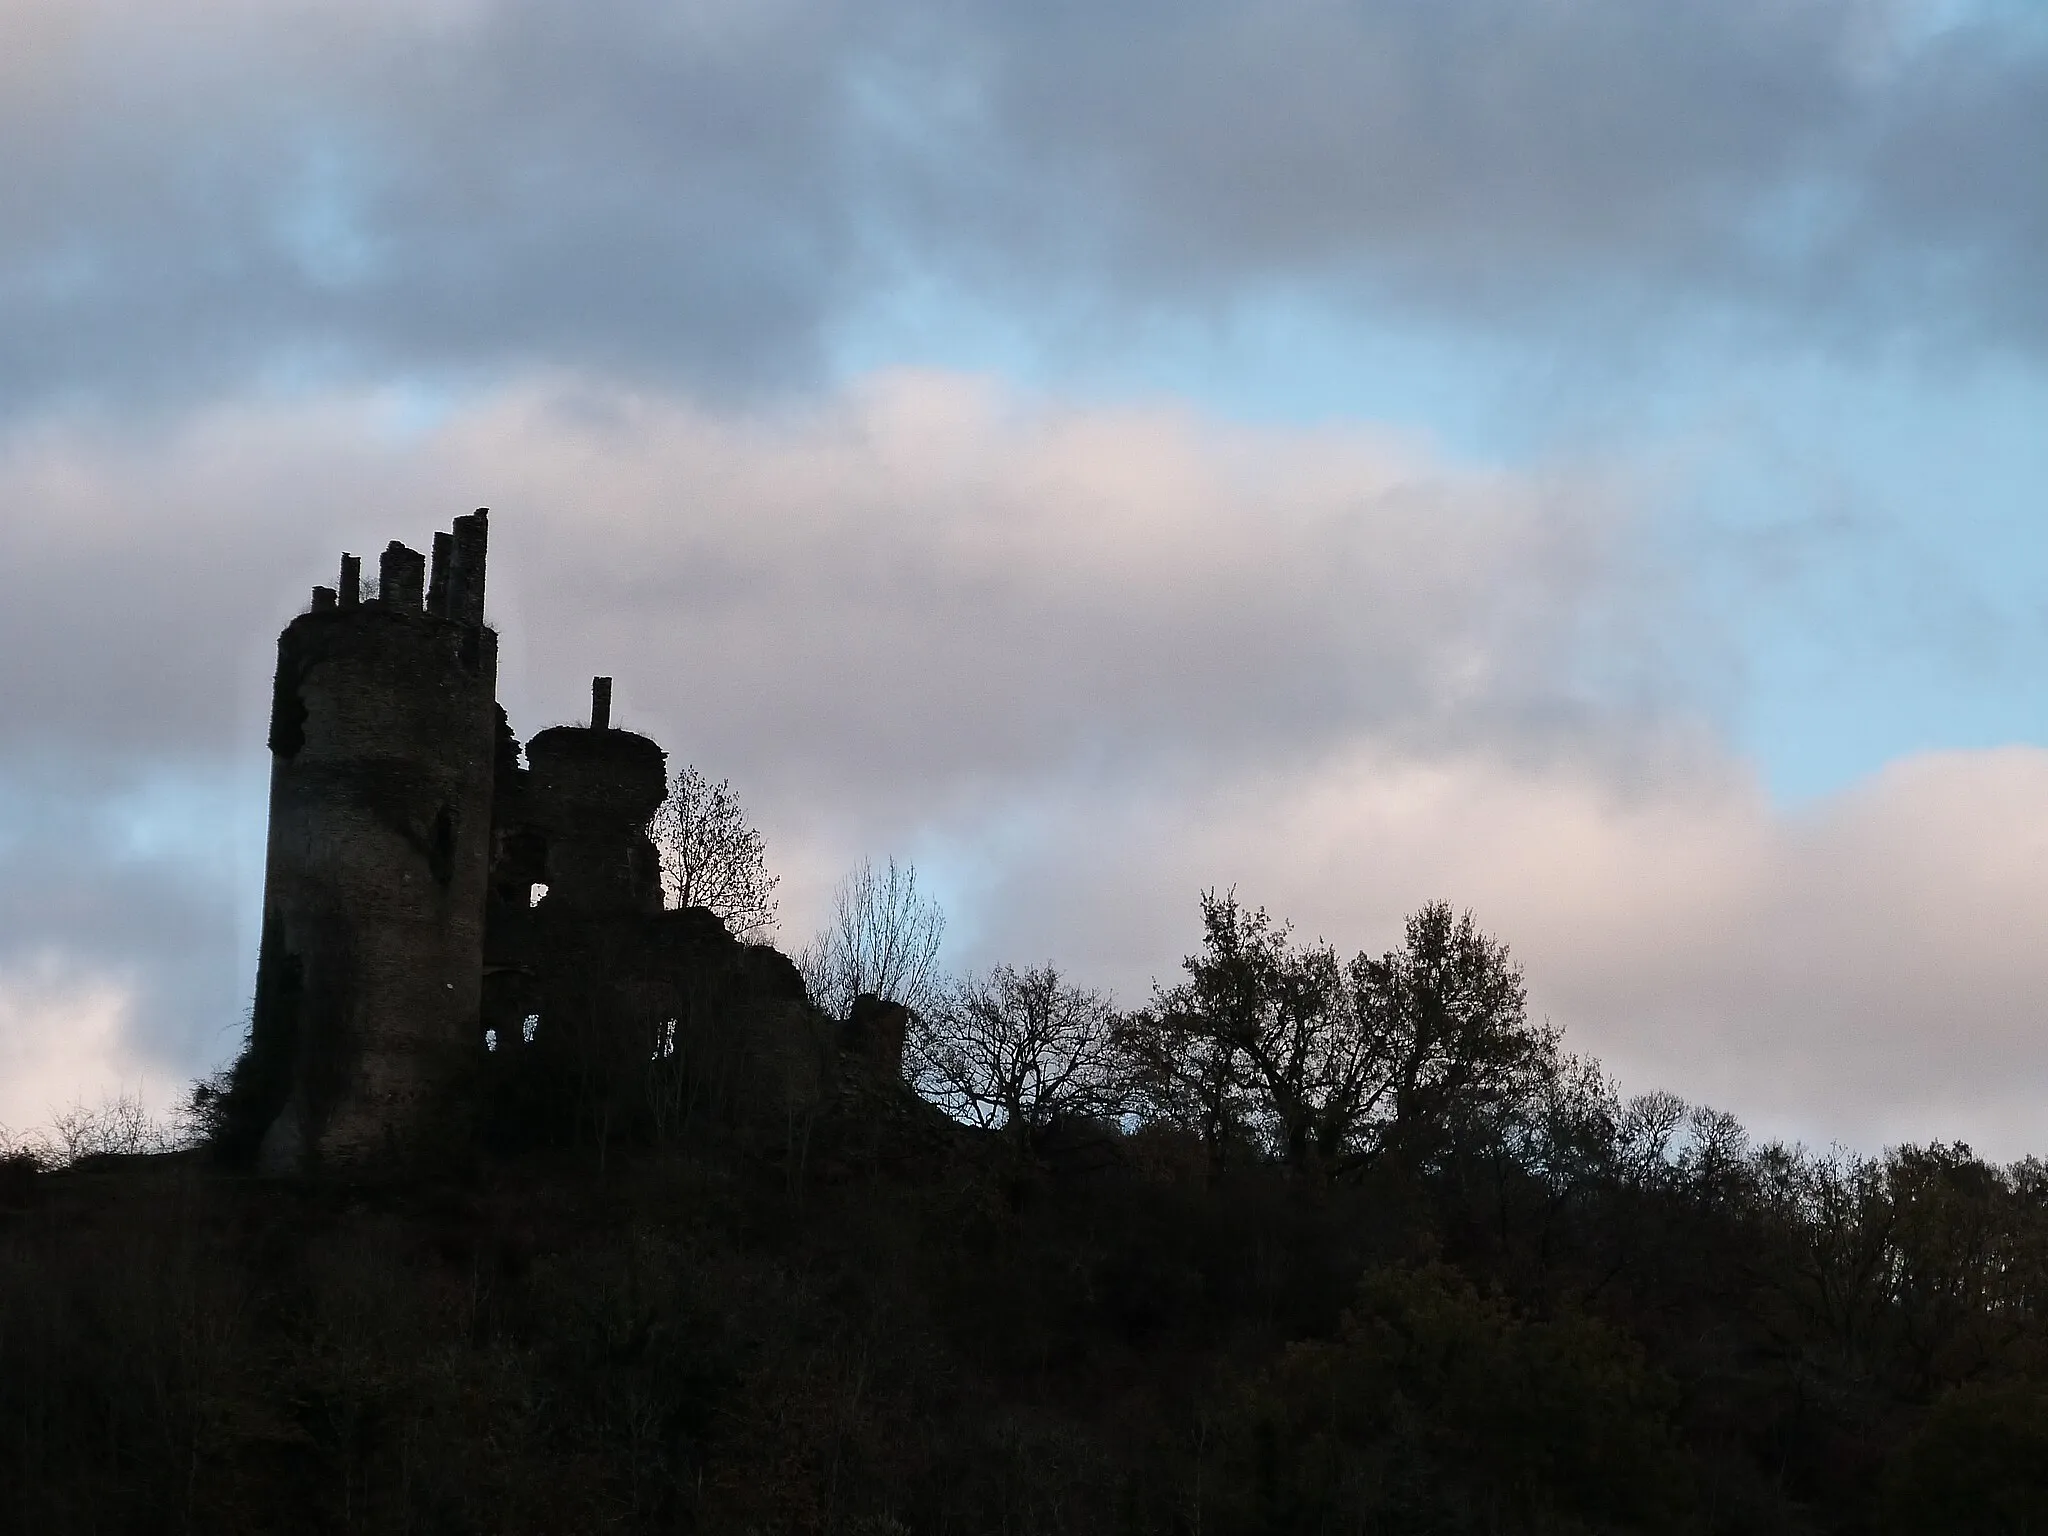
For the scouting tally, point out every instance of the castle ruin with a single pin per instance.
(439, 917)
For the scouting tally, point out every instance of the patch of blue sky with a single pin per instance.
(1279, 357)
(407, 410)
(207, 824)
(70, 271)
(323, 222)
(1923, 21)
(17, 816)
(955, 872)
(1872, 540)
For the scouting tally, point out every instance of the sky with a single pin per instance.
(1577, 459)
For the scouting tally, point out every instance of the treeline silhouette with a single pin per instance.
(1305, 1243)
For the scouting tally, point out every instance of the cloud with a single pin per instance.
(196, 195)
(126, 903)
(199, 194)
(1079, 662)
(1843, 168)
(1866, 970)
(921, 570)
(57, 1037)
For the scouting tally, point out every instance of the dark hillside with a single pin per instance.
(1302, 1246)
(1102, 1335)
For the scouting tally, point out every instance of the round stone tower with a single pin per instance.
(383, 728)
(592, 792)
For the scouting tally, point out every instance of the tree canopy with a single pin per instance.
(1278, 1048)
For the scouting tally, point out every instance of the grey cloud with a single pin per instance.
(196, 195)
(142, 573)
(1823, 160)
(1954, 162)
(1469, 134)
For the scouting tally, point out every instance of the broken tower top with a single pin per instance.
(454, 590)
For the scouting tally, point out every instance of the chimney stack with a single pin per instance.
(600, 703)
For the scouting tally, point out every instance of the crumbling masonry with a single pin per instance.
(436, 913)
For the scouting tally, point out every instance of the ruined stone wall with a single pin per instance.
(572, 823)
(617, 1017)
(570, 829)
(383, 734)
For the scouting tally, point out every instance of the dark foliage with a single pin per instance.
(1490, 1296)
(1281, 1050)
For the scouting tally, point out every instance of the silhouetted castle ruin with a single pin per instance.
(443, 924)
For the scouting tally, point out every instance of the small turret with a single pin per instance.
(594, 791)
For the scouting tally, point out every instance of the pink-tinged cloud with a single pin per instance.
(1081, 663)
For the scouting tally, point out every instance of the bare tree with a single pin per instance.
(122, 1126)
(883, 938)
(1013, 1050)
(711, 857)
